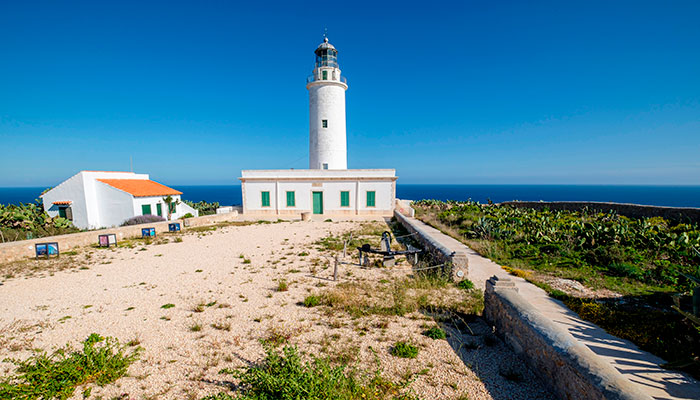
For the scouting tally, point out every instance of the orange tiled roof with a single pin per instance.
(140, 187)
(63, 203)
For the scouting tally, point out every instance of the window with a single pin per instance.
(145, 209)
(324, 123)
(159, 209)
(173, 208)
(290, 199)
(265, 199)
(65, 212)
(325, 75)
(325, 166)
(370, 199)
(345, 199)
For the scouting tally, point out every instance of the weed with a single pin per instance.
(101, 361)
(435, 333)
(404, 350)
(465, 284)
(284, 375)
(195, 327)
(282, 285)
(312, 301)
(166, 306)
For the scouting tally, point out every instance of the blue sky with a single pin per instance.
(445, 92)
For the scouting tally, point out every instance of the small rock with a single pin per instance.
(571, 284)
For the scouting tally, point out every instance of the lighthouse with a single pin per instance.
(328, 188)
(326, 86)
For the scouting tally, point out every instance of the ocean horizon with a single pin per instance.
(654, 195)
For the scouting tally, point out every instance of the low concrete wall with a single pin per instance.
(13, 251)
(571, 368)
(443, 251)
(675, 214)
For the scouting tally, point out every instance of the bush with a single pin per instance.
(435, 333)
(465, 284)
(203, 207)
(285, 376)
(142, 219)
(188, 215)
(311, 301)
(26, 221)
(404, 350)
(102, 361)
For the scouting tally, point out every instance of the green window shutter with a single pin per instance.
(159, 209)
(146, 209)
(345, 199)
(266, 199)
(370, 199)
(290, 199)
(62, 212)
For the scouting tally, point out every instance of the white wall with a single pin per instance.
(384, 196)
(91, 193)
(113, 206)
(180, 210)
(69, 190)
(327, 145)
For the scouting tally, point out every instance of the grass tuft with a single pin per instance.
(435, 333)
(284, 375)
(101, 361)
(404, 350)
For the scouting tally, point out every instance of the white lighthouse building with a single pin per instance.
(327, 188)
(327, 139)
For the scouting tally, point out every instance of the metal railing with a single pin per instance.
(314, 78)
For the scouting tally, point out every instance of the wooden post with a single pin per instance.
(335, 270)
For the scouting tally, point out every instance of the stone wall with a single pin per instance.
(569, 367)
(442, 248)
(22, 249)
(675, 214)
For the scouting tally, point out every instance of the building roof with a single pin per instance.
(140, 187)
(63, 203)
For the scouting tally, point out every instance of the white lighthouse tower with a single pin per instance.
(328, 187)
(327, 138)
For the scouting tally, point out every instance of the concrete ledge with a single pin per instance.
(22, 249)
(442, 247)
(572, 369)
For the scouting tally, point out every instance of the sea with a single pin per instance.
(672, 196)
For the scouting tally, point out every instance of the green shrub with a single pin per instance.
(42, 376)
(188, 215)
(465, 284)
(282, 285)
(435, 332)
(312, 301)
(404, 350)
(285, 376)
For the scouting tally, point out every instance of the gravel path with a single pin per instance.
(207, 277)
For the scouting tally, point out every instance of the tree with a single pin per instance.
(171, 204)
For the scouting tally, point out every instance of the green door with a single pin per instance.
(318, 202)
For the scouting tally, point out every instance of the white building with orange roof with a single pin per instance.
(99, 199)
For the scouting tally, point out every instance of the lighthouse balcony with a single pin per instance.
(326, 77)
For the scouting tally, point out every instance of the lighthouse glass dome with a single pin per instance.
(326, 56)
